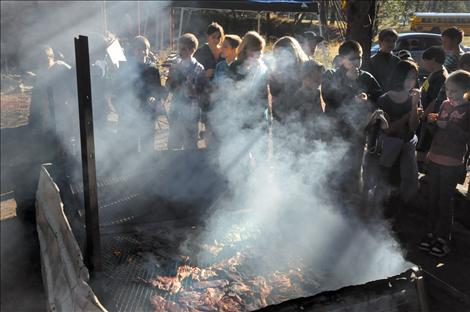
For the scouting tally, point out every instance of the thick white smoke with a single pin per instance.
(287, 198)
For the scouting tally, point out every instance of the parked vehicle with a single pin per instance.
(416, 43)
(437, 22)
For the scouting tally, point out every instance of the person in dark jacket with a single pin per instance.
(284, 79)
(382, 64)
(250, 75)
(350, 94)
(208, 55)
(433, 62)
(51, 124)
(402, 110)
(309, 41)
(139, 92)
(307, 102)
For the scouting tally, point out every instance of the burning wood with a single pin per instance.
(225, 283)
(165, 283)
(210, 289)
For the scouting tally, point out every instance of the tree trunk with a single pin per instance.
(323, 19)
(360, 15)
(268, 24)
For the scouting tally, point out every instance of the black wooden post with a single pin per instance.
(93, 242)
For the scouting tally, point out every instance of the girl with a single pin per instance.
(446, 161)
(284, 79)
(307, 103)
(247, 94)
(402, 110)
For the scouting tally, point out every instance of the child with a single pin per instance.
(464, 62)
(349, 81)
(209, 54)
(284, 79)
(401, 107)
(229, 52)
(382, 64)
(451, 39)
(433, 62)
(186, 80)
(250, 75)
(309, 41)
(307, 102)
(446, 155)
(347, 92)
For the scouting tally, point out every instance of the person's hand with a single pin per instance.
(353, 73)
(442, 124)
(432, 117)
(415, 97)
(420, 112)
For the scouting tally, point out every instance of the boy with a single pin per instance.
(349, 82)
(433, 62)
(209, 54)
(186, 80)
(347, 92)
(49, 129)
(229, 52)
(451, 39)
(382, 64)
(139, 88)
(309, 42)
(464, 61)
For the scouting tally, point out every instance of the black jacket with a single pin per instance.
(339, 90)
(381, 66)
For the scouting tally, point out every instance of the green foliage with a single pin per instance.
(397, 13)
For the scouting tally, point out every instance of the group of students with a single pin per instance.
(392, 124)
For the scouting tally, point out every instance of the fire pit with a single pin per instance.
(165, 268)
(160, 253)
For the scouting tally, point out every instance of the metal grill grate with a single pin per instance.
(122, 268)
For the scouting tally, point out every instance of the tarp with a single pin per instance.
(258, 5)
(65, 276)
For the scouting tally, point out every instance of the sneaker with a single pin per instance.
(440, 248)
(427, 242)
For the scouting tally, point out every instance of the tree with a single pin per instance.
(360, 16)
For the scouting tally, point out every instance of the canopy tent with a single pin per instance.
(297, 6)
(252, 5)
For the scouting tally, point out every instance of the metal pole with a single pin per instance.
(180, 30)
(259, 22)
(93, 242)
(105, 22)
(138, 18)
(157, 41)
(171, 29)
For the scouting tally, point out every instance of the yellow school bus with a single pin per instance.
(437, 22)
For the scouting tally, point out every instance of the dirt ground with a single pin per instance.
(447, 280)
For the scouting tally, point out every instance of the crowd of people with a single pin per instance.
(394, 124)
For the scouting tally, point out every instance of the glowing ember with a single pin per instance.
(221, 287)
